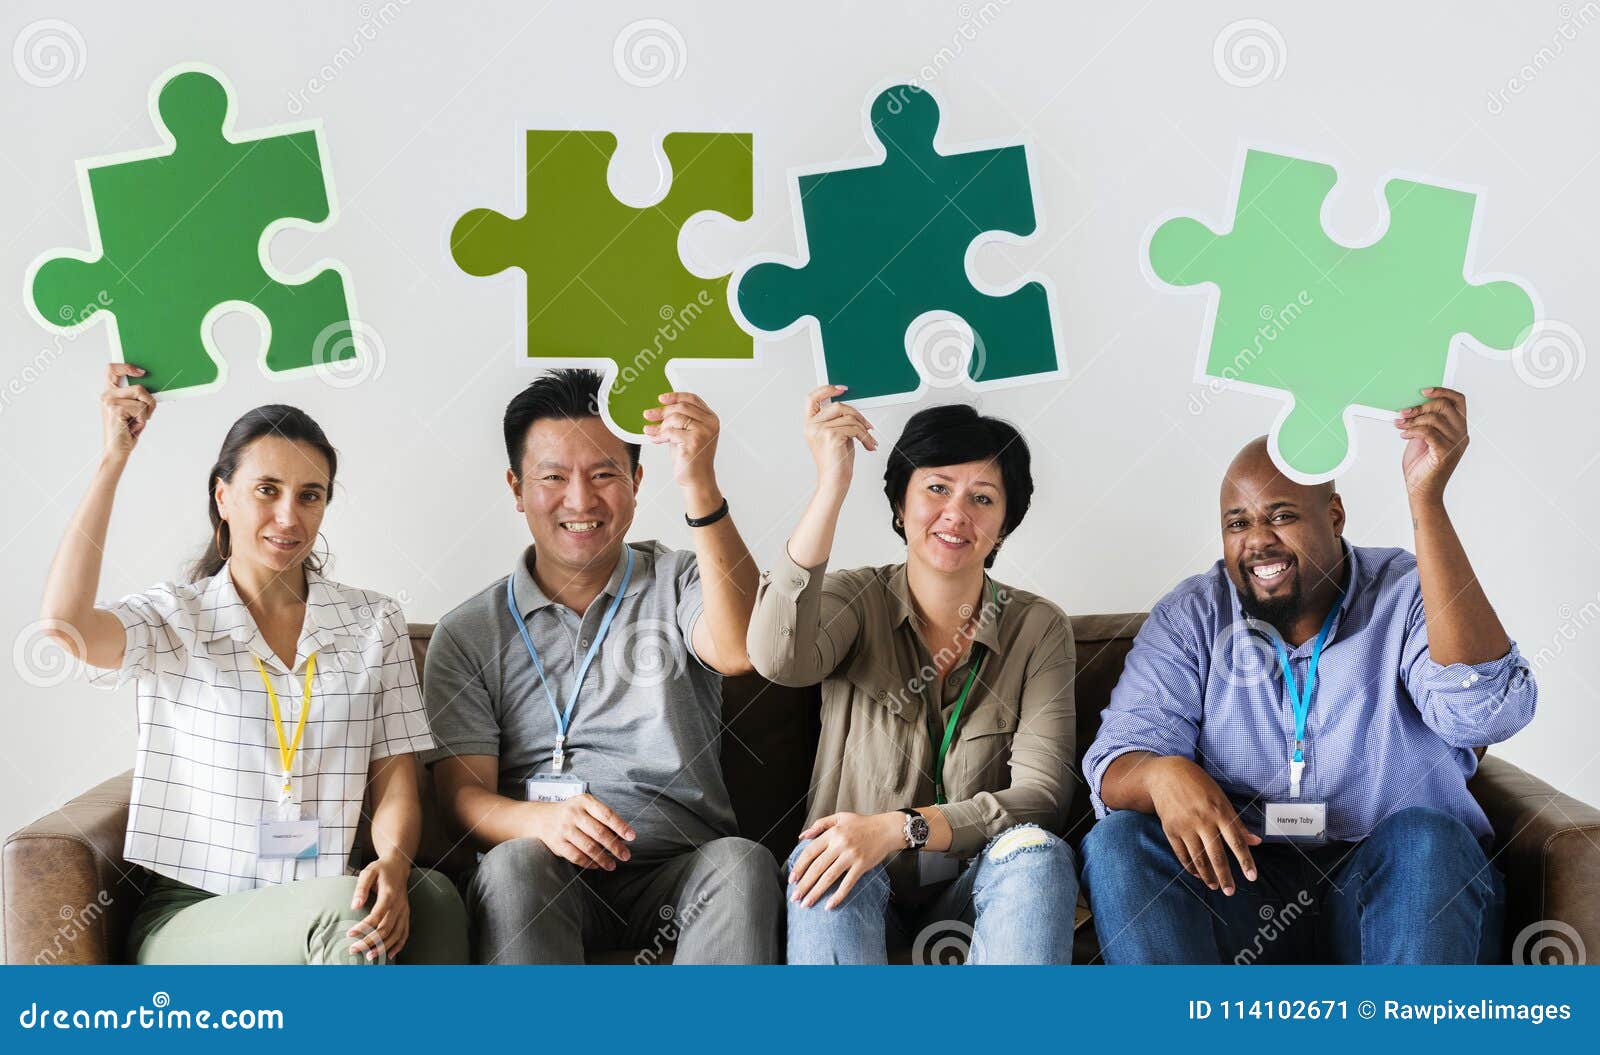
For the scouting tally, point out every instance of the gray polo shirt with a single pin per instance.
(646, 728)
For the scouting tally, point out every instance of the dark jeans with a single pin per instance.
(1418, 889)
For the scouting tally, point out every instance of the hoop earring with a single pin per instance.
(216, 538)
(899, 524)
(320, 562)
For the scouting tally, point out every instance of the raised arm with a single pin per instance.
(1469, 683)
(727, 572)
(90, 634)
(1462, 625)
(832, 431)
(799, 633)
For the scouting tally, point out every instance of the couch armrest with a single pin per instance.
(1548, 846)
(69, 896)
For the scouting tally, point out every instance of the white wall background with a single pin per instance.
(1128, 114)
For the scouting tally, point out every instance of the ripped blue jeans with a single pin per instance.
(1013, 904)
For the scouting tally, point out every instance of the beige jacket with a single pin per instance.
(1012, 757)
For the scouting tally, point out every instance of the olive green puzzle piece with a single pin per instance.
(180, 232)
(604, 279)
(886, 242)
(1340, 330)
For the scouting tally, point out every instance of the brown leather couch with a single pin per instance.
(69, 895)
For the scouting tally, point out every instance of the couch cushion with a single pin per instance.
(1102, 643)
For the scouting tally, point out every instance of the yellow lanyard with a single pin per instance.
(286, 750)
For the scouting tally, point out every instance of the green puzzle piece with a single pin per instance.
(180, 232)
(604, 280)
(1336, 327)
(887, 242)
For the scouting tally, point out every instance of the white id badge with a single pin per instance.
(935, 867)
(1297, 820)
(553, 787)
(283, 840)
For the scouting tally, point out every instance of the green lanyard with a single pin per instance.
(955, 715)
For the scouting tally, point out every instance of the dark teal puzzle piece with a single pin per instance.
(887, 243)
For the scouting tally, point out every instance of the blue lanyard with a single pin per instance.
(1302, 702)
(564, 718)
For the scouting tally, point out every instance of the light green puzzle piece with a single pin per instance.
(1336, 328)
(179, 232)
(605, 280)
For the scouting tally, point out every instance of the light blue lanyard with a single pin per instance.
(1302, 702)
(564, 718)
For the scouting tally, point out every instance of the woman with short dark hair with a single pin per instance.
(272, 701)
(944, 768)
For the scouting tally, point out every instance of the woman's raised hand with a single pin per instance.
(832, 431)
(124, 409)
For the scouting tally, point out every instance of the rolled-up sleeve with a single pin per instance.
(148, 637)
(1157, 703)
(800, 631)
(1467, 704)
(1042, 753)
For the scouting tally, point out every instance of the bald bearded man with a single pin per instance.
(1281, 774)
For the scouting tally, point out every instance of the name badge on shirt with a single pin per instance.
(1297, 820)
(281, 840)
(553, 787)
(935, 867)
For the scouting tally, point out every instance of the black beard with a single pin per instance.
(1279, 613)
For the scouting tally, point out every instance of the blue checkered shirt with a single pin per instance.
(1388, 727)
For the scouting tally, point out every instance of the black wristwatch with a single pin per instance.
(916, 829)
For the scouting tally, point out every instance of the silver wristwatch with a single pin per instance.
(916, 829)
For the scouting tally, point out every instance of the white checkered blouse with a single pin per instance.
(208, 768)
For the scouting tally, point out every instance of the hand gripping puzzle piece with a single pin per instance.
(886, 243)
(604, 279)
(1337, 329)
(181, 236)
